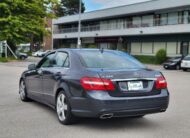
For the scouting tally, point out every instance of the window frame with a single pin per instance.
(68, 56)
(39, 65)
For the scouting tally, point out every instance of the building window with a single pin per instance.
(119, 23)
(186, 17)
(147, 21)
(113, 24)
(164, 19)
(130, 22)
(125, 25)
(157, 20)
(180, 18)
(136, 22)
(172, 18)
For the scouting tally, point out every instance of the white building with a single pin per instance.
(140, 29)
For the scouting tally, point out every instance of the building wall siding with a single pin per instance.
(147, 48)
(151, 48)
(158, 46)
(171, 48)
(179, 48)
(135, 48)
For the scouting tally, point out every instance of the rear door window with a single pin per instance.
(187, 58)
(62, 59)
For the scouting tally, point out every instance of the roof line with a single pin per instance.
(148, 1)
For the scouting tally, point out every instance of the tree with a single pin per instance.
(161, 56)
(21, 20)
(68, 7)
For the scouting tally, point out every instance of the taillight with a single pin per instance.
(92, 83)
(161, 83)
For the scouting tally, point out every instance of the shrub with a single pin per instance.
(146, 59)
(29, 53)
(3, 59)
(92, 46)
(9, 59)
(161, 56)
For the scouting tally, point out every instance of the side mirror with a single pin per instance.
(32, 67)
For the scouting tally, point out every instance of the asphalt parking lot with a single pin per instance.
(33, 120)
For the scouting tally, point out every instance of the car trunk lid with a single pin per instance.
(131, 82)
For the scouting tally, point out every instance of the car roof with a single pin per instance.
(82, 49)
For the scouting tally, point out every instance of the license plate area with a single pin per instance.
(140, 85)
(135, 85)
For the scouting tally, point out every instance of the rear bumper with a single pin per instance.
(99, 103)
(169, 66)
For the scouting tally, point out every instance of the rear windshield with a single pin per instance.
(176, 58)
(187, 58)
(109, 60)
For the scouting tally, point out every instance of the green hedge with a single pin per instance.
(146, 59)
(29, 53)
(3, 60)
(157, 60)
(161, 56)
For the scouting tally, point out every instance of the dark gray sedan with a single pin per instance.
(94, 83)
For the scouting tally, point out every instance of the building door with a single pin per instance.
(184, 48)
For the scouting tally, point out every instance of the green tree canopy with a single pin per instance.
(68, 7)
(21, 19)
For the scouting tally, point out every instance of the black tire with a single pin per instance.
(23, 91)
(184, 69)
(165, 67)
(68, 118)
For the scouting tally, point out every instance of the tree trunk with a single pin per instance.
(32, 43)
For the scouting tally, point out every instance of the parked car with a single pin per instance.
(94, 83)
(173, 63)
(21, 55)
(185, 63)
(46, 52)
(39, 53)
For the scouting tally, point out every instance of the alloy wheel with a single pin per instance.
(61, 107)
(22, 91)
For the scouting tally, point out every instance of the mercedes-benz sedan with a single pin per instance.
(94, 83)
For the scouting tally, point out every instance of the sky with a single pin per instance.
(92, 5)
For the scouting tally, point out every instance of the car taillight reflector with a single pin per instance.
(161, 83)
(92, 83)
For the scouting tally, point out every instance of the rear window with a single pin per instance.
(176, 58)
(109, 60)
(187, 58)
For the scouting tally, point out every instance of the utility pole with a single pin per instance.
(79, 25)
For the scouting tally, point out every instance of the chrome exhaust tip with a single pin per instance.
(106, 116)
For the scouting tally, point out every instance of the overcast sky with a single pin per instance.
(102, 4)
